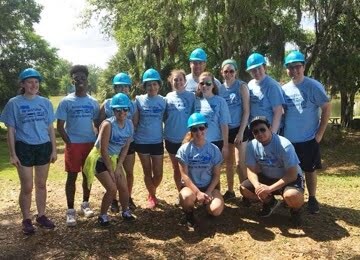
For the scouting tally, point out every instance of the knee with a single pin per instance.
(187, 199)
(294, 199)
(112, 190)
(216, 210)
(27, 189)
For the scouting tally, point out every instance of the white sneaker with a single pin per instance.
(71, 218)
(86, 210)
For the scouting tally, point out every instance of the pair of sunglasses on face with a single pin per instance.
(194, 129)
(259, 130)
(123, 109)
(207, 83)
(229, 71)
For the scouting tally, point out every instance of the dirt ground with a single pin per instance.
(159, 234)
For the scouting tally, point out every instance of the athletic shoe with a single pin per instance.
(246, 202)
(114, 208)
(131, 204)
(190, 219)
(268, 208)
(127, 215)
(151, 202)
(229, 195)
(44, 222)
(104, 220)
(295, 217)
(313, 205)
(86, 210)
(28, 227)
(71, 218)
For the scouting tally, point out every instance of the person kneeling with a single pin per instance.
(200, 163)
(273, 169)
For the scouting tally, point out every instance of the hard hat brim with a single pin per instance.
(254, 66)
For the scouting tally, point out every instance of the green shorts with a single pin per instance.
(33, 154)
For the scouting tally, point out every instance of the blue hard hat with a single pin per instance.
(196, 119)
(198, 55)
(30, 73)
(120, 100)
(294, 56)
(121, 79)
(151, 75)
(255, 60)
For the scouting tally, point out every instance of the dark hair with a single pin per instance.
(79, 68)
(215, 89)
(259, 120)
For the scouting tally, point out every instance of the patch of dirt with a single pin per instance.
(158, 234)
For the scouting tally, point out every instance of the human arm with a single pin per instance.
(245, 96)
(102, 114)
(60, 126)
(14, 160)
(325, 114)
(53, 156)
(277, 114)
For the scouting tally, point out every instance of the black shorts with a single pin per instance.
(100, 166)
(234, 131)
(203, 189)
(297, 184)
(172, 148)
(33, 155)
(309, 155)
(219, 144)
(150, 149)
(131, 148)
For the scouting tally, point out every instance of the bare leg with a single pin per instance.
(41, 175)
(26, 182)
(311, 182)
(110, 187)
(147, 170)
(128, 164)
(70, 188)
(157, 170)
(177, 175)
(230, 168)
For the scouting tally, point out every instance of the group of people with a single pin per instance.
(270, 133)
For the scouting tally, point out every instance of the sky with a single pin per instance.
(59, 25)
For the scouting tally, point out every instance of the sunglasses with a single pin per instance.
(260, 130)
(207, 83)
(229, 71)
(122, 109)
(195, 129)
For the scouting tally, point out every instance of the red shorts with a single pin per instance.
(75, 156)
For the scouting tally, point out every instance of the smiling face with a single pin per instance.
(121, 113)
(152, 88)
(295, 71)
(198, 132)
(80, 81)
(178, 81)
(197, 67)
(206, 86)
(30, 86)
(258, 73)
(228, 72)
(122, 89)
(262, 133)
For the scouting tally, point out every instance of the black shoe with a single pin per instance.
(313, 205)
(114, 208)
(132, 205)
(190, 219)
(229, 195)
(104, 220)
(127, 215)
(268, 208)
(295, 217)
(246, 202)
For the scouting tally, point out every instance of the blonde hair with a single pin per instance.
(215, 89)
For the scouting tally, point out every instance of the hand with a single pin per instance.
(202, 198)
(318, 138)
(53, 157)
(263, 191)
(238, 138)
(14, 160)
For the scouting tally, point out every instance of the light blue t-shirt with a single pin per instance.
(119, 136)
(274, 158)
(191, 83)
(302, 109)
(179, 106)
(216, 112)
(200, 161)
(233, 98)
(30, 118)
(150, 126)
(79, 114)
(109, 112)
(264, 96)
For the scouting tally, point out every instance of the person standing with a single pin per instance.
(266, 97)
(107, 157)
(273, 169)
(198, 58)
(304, 126)
(236, 94)
(179, 106)
(122, 84)
(77, 116)
(200, 163)
(32, 145)
(148, 122)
